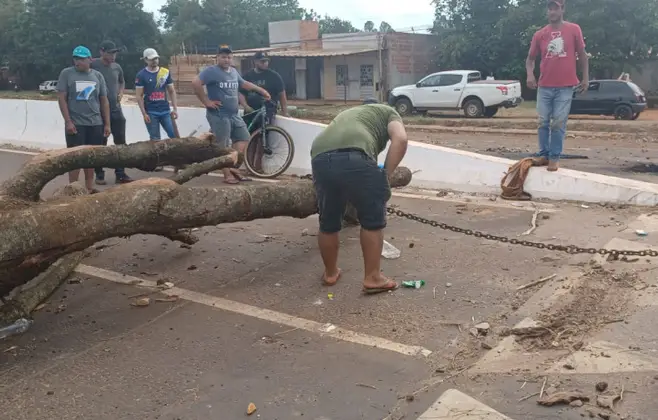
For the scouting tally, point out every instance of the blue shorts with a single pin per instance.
(349, 175)
(228, 129)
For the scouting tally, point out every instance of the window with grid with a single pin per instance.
(341, 75)
(366, 75)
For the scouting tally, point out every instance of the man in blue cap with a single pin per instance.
(82, 97)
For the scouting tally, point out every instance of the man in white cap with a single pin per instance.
(154, 88)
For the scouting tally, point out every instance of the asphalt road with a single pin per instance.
(253, 324)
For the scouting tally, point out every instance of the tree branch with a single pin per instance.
(202, 168)
(147, 155)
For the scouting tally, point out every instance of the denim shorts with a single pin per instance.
(227, 129)
(349, 175)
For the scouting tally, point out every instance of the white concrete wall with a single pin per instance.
(356, 41)
(39, 124)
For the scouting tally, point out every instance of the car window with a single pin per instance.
(636, 88)
(616, 88)
(450, 79)
(433, 80)
(473, 77)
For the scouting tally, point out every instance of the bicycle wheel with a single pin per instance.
(272, 161)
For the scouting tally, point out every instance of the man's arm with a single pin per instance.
(122, 83)
(530, 63)
(105, 103)
(62, 97)
(398, 148)
(252, 87)
(171, 91)
(139, 94)
(583, 59)
(283, 98)
(200, 92)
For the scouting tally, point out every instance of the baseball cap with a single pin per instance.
(558, 2)
(109, 46)
(225, 48)
(260, 55)
(150, 54)
(81, 52)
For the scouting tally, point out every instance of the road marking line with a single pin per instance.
(260, 313)
(455, 405)
(19, 152)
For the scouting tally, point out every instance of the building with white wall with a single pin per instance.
(343, 67)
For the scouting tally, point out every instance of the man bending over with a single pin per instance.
(344, 163)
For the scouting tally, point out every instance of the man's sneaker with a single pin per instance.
(100, 181)
(124, 179)
(159, 169)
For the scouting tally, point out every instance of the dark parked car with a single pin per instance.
(623, 100)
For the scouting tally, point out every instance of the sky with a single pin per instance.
(401, 15)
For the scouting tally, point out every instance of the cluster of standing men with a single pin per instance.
(90, 93)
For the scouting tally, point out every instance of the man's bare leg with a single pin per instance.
(240, 146)
(74, 176)
(90, 175)
(372, 242)
(329, 244)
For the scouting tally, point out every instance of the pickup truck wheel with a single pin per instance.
(489, 112)
(623, 112)
(403, 106)
(473, 108)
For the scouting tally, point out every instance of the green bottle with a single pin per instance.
(413, 284)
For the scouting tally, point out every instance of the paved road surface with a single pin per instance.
(253, 324)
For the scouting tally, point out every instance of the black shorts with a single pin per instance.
(87, 135)
(349, 175)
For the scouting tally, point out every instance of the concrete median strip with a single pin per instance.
(455, 405)
(326, 330)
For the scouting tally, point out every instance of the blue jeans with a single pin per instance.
(160, 119)
(553, 107)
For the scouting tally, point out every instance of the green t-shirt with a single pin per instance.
(363, 127)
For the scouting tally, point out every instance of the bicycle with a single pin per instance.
(266, 144)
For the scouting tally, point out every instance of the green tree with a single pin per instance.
(493, 36)
(385, 27)
(330, 25)
(369, 26)
(46, 32)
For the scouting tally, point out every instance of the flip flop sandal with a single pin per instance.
(241, 178)
(231, 181)
(325, 283)
(377, 290)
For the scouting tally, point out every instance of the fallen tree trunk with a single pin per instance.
(35, 235)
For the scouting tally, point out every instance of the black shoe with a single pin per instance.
(124, 179)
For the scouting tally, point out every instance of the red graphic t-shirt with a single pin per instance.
(557, 51)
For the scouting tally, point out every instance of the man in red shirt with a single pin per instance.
(560, 45)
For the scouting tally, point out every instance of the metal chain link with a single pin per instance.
(569, 249)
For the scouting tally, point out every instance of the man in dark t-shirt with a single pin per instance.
(113, 73)
(269, 80)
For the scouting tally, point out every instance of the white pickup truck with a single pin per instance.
(48, 86)
(455, 90)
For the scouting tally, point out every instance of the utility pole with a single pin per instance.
(380, 69)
